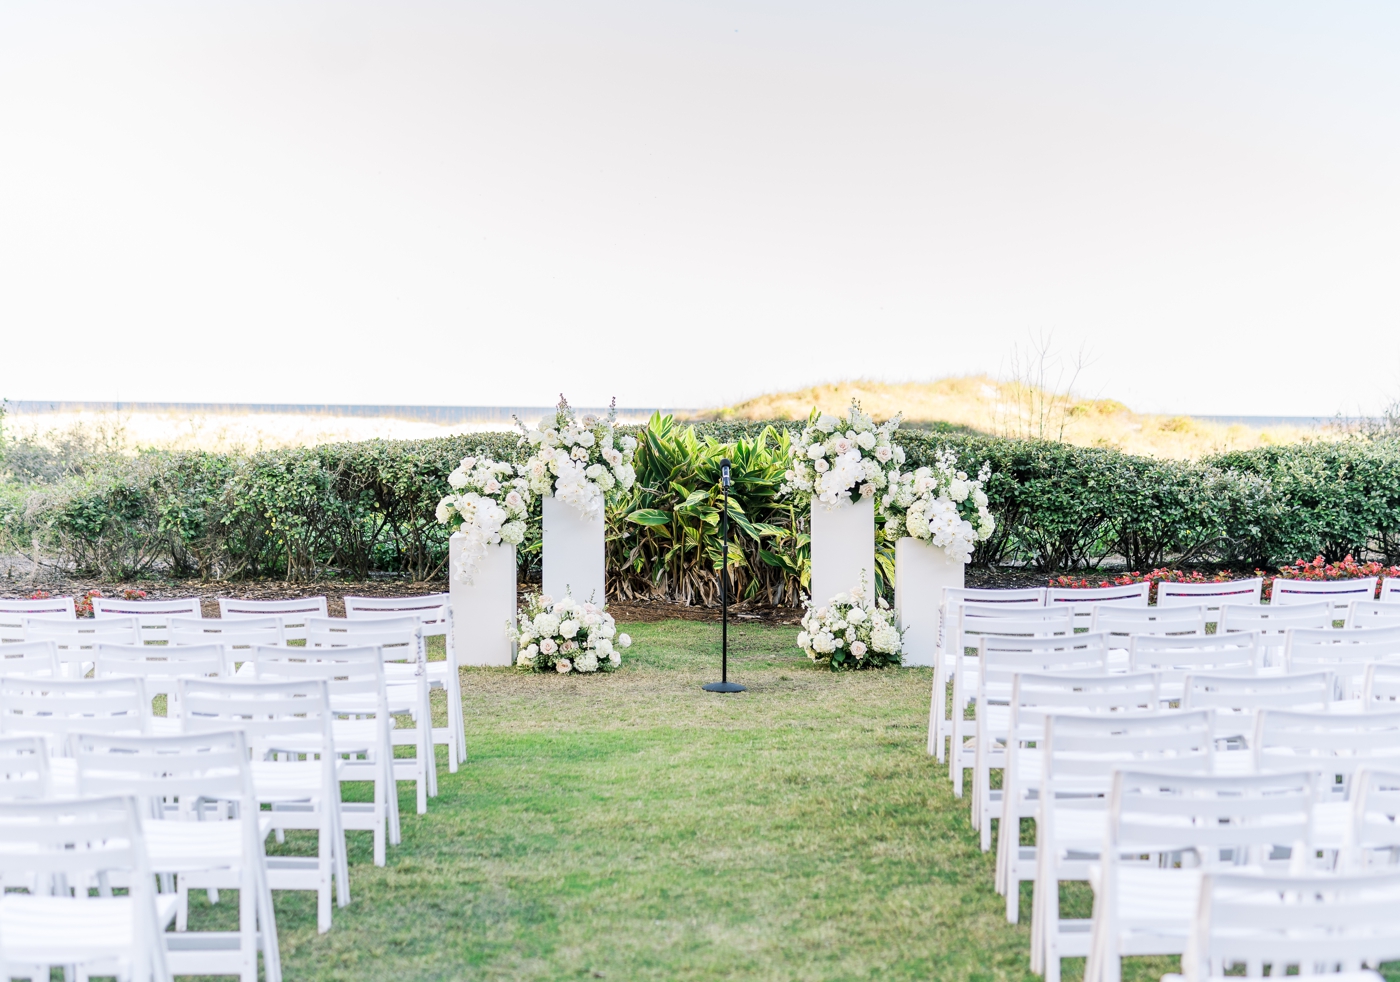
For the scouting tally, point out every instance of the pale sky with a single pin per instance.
(484, 203)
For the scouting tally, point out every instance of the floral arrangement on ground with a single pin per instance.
(580, 461)
(941, 505)
(566, 637)
(836, 459)
(851, 631)
(490, 506)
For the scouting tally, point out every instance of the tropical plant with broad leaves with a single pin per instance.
(665, 538)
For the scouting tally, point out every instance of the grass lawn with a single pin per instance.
(631, 826)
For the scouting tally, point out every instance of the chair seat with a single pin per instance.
(295, 780)
(53, 930)
(187, 846)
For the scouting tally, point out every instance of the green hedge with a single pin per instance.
(364, 509)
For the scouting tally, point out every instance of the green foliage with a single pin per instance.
(367, 509)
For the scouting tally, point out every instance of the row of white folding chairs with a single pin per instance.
(396, 641)
(1273, 626)
(1194, 865)
(404, 629)
(1059, 773)
(140, 809)
(301, 703)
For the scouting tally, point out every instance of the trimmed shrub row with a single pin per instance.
(365, 509)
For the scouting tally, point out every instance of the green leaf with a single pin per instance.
(650, 516)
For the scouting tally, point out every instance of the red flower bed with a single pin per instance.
(83, 605)
(1318, 569)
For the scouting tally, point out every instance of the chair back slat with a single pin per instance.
(292, 612)
(24, 767)
(13, 614)
(1084, 601)
(1333, 745)
(1339, 593)
(59, 707)
(35, 659)
(1184, 621)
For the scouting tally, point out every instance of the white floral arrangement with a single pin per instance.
(836, 459)
(852, 631)
(579, 461)
(489, 506)
(567, 637)
(941, 505)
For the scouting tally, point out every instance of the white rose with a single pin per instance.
(865, 440)
(615, 657)
(821, 467)
(579, 453)
(547, 646)
(595, 471)
(624, 641)
(526, 658)
(827, 423)
(458, 478)
(979, 497)
(866, 490)
(858, 649)
(568, 629)
(841, 445)
(587, 438)
(514, 501)
(444, 510)
(816, 451)
(883, 454)
(563, 666)
(491, 486)
(855, 615)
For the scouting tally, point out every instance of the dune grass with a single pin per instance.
(631, 826)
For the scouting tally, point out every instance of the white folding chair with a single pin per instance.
(58, 708)
(954, 596)
(58, 848)
(401, 641)
(152, 615)
(1033, 697)
(1211, 595)
(1272, 623)
(292, 613)
(1083, 601)
(1373, 826)
(74, 640)
(434, 613)
(999, 661)
(949, 627)
(160, 667)
(1346, 654)
(1373, 613)
(13, 614)
(1320, 924)
(1389, 590)
(237, 636)
(1124, 622)
(1334, 746)
(1077, 764)
(1164, 830)
(1175, 658)
(1381, 689)
(946, 723)
(24, 768)
(1339, 593)
(1237, 699)
(35, 659)
(355, 680)
(174, 777)
(287, 726)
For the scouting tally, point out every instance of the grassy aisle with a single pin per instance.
(633, 827)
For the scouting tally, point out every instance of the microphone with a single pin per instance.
(724, 472)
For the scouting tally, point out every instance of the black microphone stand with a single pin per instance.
(724, 685)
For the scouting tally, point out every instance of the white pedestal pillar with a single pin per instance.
(921, 571)
(573, 554)
(843, 547)
(483, 610)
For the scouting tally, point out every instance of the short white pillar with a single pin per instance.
(843, 547)
(574, 562)
(483, 611)
(921, 571)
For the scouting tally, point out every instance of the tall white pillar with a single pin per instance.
(483, 611)
(573, 553)
(843, 547)
(921, 571)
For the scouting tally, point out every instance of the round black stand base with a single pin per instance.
(723, 687)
